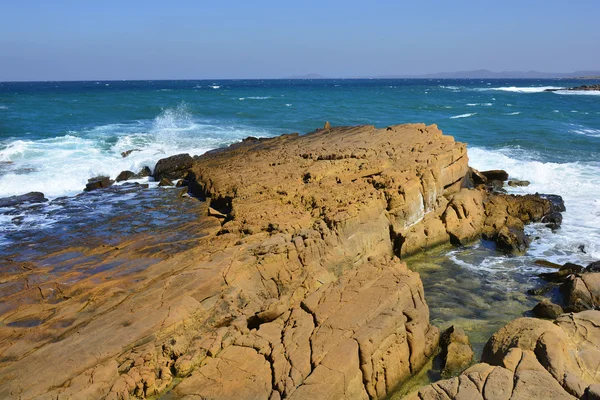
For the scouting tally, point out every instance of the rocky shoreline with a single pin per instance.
(296, 287)
(579, 88)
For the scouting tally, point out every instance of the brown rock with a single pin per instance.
(456, 353)
(173, 167)
(495, 175)
(99, 182)
(547, 309)
(124, 175)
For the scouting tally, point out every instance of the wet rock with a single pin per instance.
(548, 264)
(563, 273)
(512, 239)
(456, 352)
(165, 182)
(128, 152)
(553, 220)
(144, 172)
(181, 183)
(250, 139)
(125, 175)
(495, 175)
(582, 292)
(99, 182)
(593, 267)
(547, 309)
(558, 204)
(31, 197)
(173, 167)
(516, 183)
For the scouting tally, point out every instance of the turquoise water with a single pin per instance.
(54, 136)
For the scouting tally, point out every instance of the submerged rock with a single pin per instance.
(31, 197)
(173, 167)
(456, 352)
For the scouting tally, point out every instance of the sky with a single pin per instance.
(130, 39)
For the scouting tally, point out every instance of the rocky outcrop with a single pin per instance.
(173, 167)
(294, 286)
(28, 198)
(531, 358)
(579, 88)
(99, 182)
(456, 352)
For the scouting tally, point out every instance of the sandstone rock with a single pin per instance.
(582, 292)
(547, 309)
(477, 177)
(173, 167)
(456, 352)
(165, 182)
(125, 175)
(99, 182)
(495, 175)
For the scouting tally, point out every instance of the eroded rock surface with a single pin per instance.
(294, 288)
(532, 358)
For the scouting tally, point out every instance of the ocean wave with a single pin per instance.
(479, 104)
(62, 165)
(513, 113)
(215, 86)
(516, 89)
(579, 185)
(463, 116)
(3, 107)
(579, 92)
(455, 88)
(582, 130)
(256, 98)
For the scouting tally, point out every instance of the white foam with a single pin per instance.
(256, 98)
(513, 113)
(579, 185)
(3, 107)
(479, 104)
(516, 89)
(463, 116)
(62, 165)
(215, 86)
(582, 130)
(579, 92)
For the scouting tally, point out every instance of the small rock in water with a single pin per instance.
(495, 175)
(456, 353)
(558, 204)
(515, 183)
(144, 172)
(99, 182)
(165, 182)
(553, 220)
(128, 152)
(31, 197)
(547, 309)
(124, 175)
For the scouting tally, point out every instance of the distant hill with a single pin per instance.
(312, 75)
(486, 74)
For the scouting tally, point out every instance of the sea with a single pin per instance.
(54, 136)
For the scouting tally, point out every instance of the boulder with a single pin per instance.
(125, 175)
(173, 167)
(165, 182)
(564, 272)
(477, 177)
(456, 352)
(547, 309)
(28, 198)
(495, 175)
(593, 267)
(99, 182)
(582, 292)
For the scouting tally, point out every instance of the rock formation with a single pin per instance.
(532, 359)
(294, 289)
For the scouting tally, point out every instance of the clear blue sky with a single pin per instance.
(80, 39)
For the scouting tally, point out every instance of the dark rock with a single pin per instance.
(593, 267)
(553, 220)
(477, 177)
(128, 152)
(547, 264)
(495, 175)
(144, 172)
(563, 273)
(31, 197)
(515, 183)
(99, 182)
(182, 183)
(496, 186)
(558, 204)
(512, 239)
(173, 167)
(540, 290)
(547, 309)
(250, 139)
(165, 182)
(125, 175)
(456, 352)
